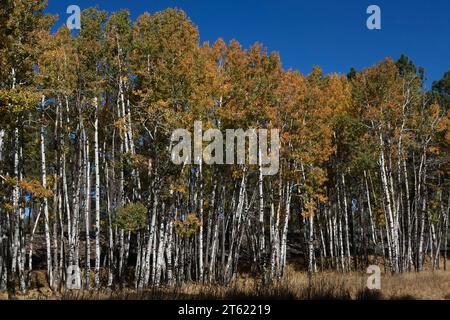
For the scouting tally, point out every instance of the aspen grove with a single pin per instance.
(85, 137)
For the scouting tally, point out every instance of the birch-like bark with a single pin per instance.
(87, 212)
(346, 223)
(261, 239)
(169, 248)
(2, 134)
(311, 256)
(421, 222)
(236, 220)
(150, 244)
(369, 206)
(110, 229)
(214, 247)
(388, 205)
(408, 219)
(160, 253)
(208, 252)
(30, 252)
(285, 229)
(97, 197)
(45, 200)
(15, 220)
(200, 234)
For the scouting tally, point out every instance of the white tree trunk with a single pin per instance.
(200, 234)
(97, 197)
(262, 249)
(87, 213)
(46, 215)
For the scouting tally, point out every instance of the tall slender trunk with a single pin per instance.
(346, 223)
(97, 197)
(30, 252)
(200, 234)
(45, 200)
(285, 229)
(393, 243)
(87, 208)
(261, 239)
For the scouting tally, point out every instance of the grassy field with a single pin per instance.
(295, 285)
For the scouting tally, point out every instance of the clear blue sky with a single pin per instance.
(328, 33)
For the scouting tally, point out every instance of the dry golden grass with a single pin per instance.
(295, 285)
